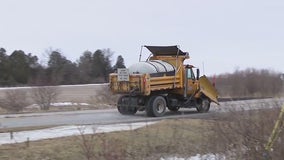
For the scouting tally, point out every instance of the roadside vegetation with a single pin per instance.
(235, 135)
(56, 98)
(44, 96)
(250, 83)
(14, 101)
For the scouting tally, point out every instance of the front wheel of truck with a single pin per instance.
(123, 106)
(202, 104)
(156, 106)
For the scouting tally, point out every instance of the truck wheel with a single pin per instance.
(202, 105)
(156, 106)
(123, 106)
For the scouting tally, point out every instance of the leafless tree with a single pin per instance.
(14, 100)
(250, 83)
(87, 144)
(44, 96)
(98, 146)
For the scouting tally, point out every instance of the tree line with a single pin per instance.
(19, 68)
(250, 82)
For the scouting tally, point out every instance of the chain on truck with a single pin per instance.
(162, 82)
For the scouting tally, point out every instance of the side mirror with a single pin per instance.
(197, 73)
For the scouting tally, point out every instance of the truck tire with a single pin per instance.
(202, 104)
(156, 106)
(123, 106)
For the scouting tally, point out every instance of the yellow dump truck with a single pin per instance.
(162, 81)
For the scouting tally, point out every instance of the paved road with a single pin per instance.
(112, 116)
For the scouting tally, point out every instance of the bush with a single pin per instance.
(44, 96)
(244, 134)
(14, 100)
(104, 97)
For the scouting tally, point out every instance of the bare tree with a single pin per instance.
(44, 96)
(101, 147)
(250, 83)
(87, 144)
(14, 100)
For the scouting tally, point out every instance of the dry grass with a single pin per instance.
(97, 96)
(166, 138)
(244, 135)
(241, 135)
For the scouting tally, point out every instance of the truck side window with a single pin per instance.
(190, 74)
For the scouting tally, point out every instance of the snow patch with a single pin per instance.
(64, 131)
(60, 104)
(209, 156)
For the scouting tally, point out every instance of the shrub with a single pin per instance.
(244, 134)
(14, 100)
(44, 96)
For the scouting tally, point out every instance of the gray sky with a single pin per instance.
(222, 34)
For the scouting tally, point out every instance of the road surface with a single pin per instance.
(112, 116)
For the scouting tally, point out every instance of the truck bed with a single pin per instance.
(143, 84)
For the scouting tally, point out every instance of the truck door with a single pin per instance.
(190, 86)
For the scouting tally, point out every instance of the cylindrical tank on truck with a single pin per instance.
(162, 82)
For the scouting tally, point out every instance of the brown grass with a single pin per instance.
(70, 93)
(166, 138)
(239, 135)
(97, 96)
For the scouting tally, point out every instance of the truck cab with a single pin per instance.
(191, 80)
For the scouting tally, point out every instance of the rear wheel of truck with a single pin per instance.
(123, 106)
(202, 104)
(156, 106)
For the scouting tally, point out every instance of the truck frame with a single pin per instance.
(154, 93)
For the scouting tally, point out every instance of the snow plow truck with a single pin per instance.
(162, 82)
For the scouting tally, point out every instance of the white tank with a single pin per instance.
(154, 66)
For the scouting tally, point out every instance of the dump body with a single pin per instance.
(145, 83)
(163, 81)
(137, 83)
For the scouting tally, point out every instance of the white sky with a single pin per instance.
(224, 34)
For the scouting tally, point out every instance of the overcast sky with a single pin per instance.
(222, 34)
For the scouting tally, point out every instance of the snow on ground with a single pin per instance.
(59, 104)
(63, 131)
(209, 156)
